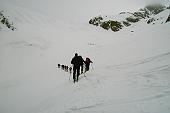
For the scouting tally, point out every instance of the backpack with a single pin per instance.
(88, 60)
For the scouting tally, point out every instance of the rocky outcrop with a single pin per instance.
(150, 20)
(132, 19)
(168, 7)
(125, 23)
(96, 21)
(110, 24)
(5, 21)
(155, 8)
(125, 19)
(168, 19)
(113, 25)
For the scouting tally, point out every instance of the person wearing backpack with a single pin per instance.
(87, 64)
(76, 62)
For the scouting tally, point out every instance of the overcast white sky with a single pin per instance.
(83, 9)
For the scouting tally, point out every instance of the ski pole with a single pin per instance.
(70, 72)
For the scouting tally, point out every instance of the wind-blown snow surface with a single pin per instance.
(130, 74)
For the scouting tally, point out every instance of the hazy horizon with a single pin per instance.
(81, 9)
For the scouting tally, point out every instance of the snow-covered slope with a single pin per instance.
(130, 73)
(125, 19)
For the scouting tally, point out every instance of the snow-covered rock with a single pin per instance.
(149, 14)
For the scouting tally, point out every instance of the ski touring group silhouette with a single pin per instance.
(79, 66)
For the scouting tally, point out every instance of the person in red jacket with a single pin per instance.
(87, 64)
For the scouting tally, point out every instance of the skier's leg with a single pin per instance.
(81, 69)
(78, 73)
(74, 74)
(87, 67)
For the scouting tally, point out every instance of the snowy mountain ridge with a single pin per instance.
(125, 19)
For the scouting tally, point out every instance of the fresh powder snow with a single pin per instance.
(130, 71)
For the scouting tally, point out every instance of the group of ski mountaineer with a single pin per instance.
(78, 62)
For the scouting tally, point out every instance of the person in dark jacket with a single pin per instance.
(76, 61)
(87, 64)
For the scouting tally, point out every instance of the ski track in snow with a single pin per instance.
(36, 43)
(142, 62)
